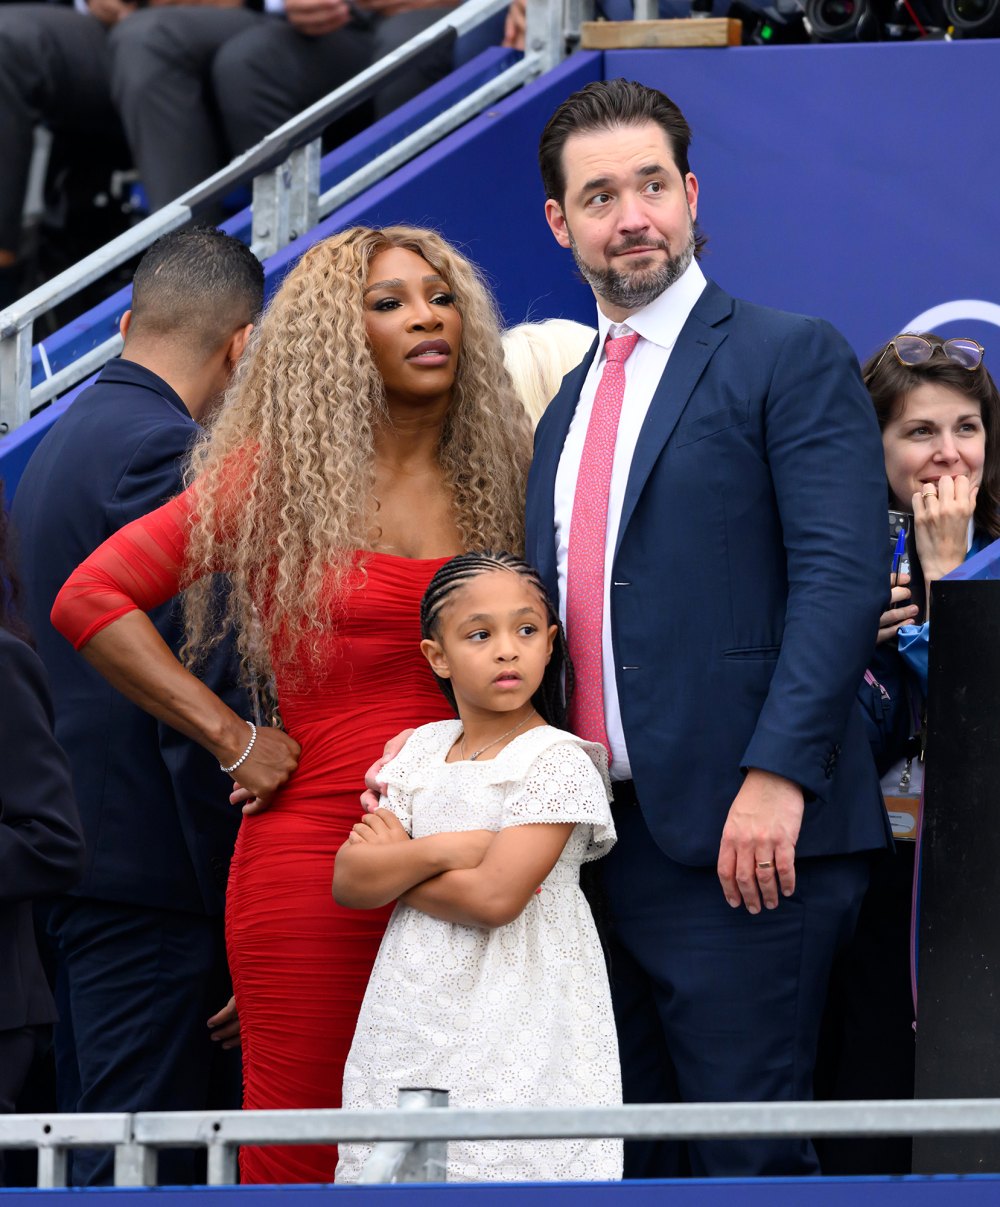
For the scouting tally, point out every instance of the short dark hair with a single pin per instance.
(556, 689)
(890, 382)
(606, 105)
(200, 283)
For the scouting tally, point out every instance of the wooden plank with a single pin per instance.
(681, 32)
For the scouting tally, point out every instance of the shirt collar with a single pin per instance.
(661, 320)
(129, 373)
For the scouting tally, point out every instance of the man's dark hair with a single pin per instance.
(606, 105)
(200, 283)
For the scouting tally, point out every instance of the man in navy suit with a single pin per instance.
(739, 554)
(140, 954)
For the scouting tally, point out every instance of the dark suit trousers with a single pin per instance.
(715, 1004)
(17, 1052)
(135, 988)
(53, 70)
(195, 86)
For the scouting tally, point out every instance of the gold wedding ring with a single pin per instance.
(765, 864)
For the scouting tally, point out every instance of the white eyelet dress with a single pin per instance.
(517, 1016)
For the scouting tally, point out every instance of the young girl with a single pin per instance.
(486, 984)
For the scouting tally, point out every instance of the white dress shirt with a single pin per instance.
(658, 325)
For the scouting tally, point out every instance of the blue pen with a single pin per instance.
(897, 555)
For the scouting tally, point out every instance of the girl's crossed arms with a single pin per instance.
(472, 877)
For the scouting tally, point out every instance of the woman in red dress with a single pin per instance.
(370, 434)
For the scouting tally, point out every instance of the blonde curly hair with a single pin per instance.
(284, 479)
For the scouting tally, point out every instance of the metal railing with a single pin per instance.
(409, 1140)
(284, 169)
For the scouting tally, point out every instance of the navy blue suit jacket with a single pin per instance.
(41, 844)
(748, 578)
(158, 824)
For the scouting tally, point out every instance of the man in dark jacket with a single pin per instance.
(140, 953)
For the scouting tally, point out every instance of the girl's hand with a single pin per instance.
(900, 611)
(941, 516)
(382, 826)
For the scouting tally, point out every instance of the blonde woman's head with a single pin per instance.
(539, 355)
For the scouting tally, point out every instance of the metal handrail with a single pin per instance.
(136, 1137)
(284, 167)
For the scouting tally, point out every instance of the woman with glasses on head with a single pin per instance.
(939, 412)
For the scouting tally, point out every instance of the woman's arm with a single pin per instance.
(497, 890)
(379, 860)
(135, 659)
(101, 610)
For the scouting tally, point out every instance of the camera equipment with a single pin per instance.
(841, 20)
(973, 18)
(782, 24)
(872, 20)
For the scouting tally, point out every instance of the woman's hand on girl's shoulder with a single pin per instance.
(374, 785)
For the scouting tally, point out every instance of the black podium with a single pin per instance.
(958, 1012)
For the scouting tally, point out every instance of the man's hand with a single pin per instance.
(109, 12)
(514, 26)
(225, 1026)
(374, 787)
(757, 854)
(268, 767)
(900, 610)
(317, 17)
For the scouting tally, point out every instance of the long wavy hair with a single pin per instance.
(284, 481)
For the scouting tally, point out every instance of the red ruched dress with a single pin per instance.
(300, 963)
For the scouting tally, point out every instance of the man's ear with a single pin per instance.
(435, 655)
(237, 344)
(556, 219)
(691, 191)
(124, 323)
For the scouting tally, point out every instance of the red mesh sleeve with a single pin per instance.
(136, 569)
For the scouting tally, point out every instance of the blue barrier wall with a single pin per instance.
(854, 182)
(972, 1191)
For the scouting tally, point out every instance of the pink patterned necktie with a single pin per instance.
(588, 533)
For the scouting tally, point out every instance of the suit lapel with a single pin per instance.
(695, 347)
(549, 440)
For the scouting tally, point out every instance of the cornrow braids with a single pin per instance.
(550, 700)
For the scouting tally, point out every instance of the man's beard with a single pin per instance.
(632, 291)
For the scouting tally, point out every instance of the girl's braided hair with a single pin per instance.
(550, 700)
